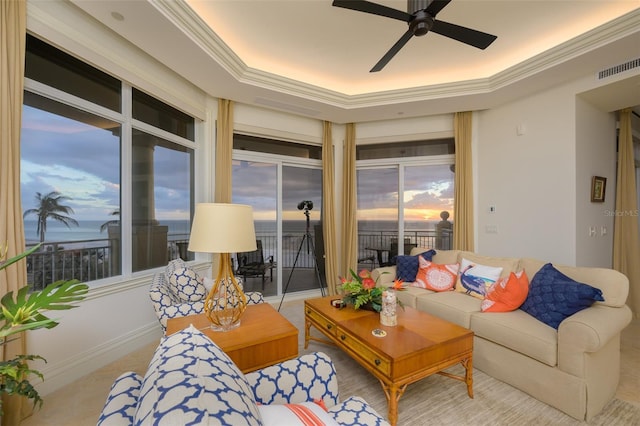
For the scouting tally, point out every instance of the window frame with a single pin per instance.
(126, 279)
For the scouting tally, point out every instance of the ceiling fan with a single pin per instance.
(421, 17)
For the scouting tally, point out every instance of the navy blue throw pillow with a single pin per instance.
(407, 266)
(554, 296)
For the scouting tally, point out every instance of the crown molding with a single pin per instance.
(191, 24)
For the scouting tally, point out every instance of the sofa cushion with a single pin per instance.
(553, 296)
(475, 278)
(407, 265)
(186, 285)
(305, 413)
(520, 332)
(449, 305)
(409, 295)
(190, 380)
(436, 277)
(507, 294)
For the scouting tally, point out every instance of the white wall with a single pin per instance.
(530, 177)
(595, 156)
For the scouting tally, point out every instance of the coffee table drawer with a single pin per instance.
(374, 359)
(322, 322)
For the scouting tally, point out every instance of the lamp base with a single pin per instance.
(226, 301)
(227, 327)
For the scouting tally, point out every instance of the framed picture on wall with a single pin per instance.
(598, 185)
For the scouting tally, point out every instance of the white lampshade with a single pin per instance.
(222, 228)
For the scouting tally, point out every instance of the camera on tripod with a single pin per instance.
(305, 205)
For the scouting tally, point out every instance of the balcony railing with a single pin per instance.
(90, 260)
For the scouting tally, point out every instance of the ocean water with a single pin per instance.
(180, 229)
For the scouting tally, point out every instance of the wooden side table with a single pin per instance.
(264, 337)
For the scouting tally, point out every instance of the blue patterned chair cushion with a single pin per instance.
(185, 283)
(407, 266)
(172, 266)
(355, 411)
(120, 407)
(554, 296)
(190, 380)
(309, 377)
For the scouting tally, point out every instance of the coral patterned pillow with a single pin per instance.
(507, 294)
(433, 276)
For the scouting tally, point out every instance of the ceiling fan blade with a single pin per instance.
(436, 6)
(463, 34)
(392, 52)
(374, 8)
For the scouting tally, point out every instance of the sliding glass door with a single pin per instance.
(283, 183)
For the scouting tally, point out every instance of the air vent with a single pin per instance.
(634, 63)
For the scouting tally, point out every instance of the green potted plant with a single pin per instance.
(24, 312)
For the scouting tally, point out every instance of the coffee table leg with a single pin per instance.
(468, 377)
(307, 327)
(393, 394)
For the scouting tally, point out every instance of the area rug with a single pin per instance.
(438, 400)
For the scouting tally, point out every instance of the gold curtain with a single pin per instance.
(349, 203)
(626, 245)
(328, 209)
(224, 151)
(463, 182)
(13, 27)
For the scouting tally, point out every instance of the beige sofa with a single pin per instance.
(575, 368)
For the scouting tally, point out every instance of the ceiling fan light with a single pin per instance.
(421, 24)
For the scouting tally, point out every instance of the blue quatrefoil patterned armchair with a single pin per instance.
(180, 292)
(191, 381)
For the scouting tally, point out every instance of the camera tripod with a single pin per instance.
(310, 248)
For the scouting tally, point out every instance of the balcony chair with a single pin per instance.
(393, 251)
(252, 264)
(178, 291)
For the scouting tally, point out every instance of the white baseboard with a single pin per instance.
(81, 364)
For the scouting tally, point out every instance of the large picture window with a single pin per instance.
(80, 156)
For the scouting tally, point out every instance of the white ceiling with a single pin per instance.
(312, 59)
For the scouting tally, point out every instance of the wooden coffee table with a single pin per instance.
(419, 346)
(263, 338)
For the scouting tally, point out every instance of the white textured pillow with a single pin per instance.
(476, 279)
(186, 285)
(306, 413)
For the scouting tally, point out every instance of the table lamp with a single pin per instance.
(224, 229)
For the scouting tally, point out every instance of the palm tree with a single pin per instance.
(108, 223)
(50, 207)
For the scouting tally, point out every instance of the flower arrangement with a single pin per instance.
(362, 290)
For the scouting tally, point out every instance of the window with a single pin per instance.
(275, 178)
(405, 198)
(80, 155)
